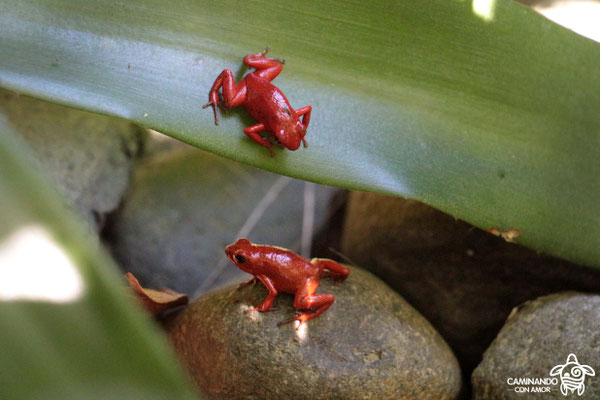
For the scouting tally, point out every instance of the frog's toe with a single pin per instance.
(298, 317)
(287, 321)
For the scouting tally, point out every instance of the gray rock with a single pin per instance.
(89, 157)
(186, 205)
(537, 337)
(462, 279)
(370, 344)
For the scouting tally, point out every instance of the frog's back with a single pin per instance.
(265, 102)
(287, 270)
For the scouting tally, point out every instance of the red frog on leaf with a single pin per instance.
(264, 101)
(282, 270)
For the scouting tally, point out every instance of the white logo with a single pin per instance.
(572, 375)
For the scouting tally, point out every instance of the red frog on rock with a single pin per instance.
(264, 101)
(282, 270)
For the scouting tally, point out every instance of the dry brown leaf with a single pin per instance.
(156, 301)
(509, 235)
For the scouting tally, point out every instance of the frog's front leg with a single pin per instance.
(233, 95)
(252, 132)
(266, 305)
(305, 113)
(306, 298)
(244, 284)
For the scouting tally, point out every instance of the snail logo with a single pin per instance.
(572, 375)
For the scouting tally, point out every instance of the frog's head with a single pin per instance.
(240, 254)
(290, 136)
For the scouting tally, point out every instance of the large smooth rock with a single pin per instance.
(462, 279)
(89, 157)
(370, 344)
(186, 205)
(539, 336)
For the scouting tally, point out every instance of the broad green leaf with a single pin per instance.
(485, 110)
(66, 330)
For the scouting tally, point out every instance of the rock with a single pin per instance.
(370, 344)
(539, 336)
(462, 279)
(186, 205)
(89, 157)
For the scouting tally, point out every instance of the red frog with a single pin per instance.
(264, 101)
(282, 270)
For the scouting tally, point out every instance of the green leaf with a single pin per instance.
(490, 116)
(65, 328)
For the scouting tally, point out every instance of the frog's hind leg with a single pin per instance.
(307, 299)
(252, 132)
(267, 68)
(338, 271)
(233, 95)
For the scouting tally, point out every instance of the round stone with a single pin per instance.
(554, 341)
(185, 205)
(88, 157)
(370, 344)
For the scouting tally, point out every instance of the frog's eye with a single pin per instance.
(239, 259)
